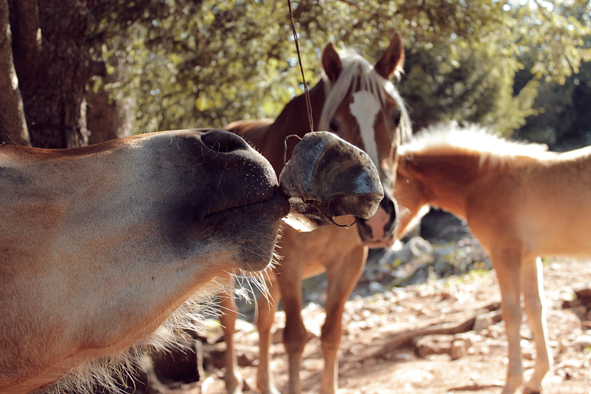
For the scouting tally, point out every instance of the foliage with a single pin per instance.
(564, 120)
(189, 63)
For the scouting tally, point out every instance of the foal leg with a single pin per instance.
(342, 278)
(507, 264)
(533, 291)
(228, 314)
(266, 308)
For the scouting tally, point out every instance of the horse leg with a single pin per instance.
(507, 264)
(342, 279)
(233, 378)
(266, 308)
(295, 335)
(533, 291)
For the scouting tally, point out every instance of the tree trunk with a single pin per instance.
(53, 66)
(13, 126)
(107, 120)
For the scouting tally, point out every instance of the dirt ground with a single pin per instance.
(372, 361)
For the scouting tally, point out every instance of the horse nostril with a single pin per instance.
(223, 141)
(388, 205)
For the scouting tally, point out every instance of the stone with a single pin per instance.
(482, 322)
(459, 349)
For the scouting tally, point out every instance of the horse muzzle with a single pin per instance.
(378, 231)
(327, 177)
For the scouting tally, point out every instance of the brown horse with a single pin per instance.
(356, 101)
(99, 245)
(519, 200)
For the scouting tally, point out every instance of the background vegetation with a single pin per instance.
(513, 65)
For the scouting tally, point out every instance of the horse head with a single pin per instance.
(363, 107)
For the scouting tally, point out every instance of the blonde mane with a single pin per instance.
(359, 74)
(451, 139)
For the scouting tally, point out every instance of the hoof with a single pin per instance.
(528, 390)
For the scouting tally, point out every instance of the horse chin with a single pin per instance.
(253, 230)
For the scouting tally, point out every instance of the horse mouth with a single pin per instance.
(382, 243)
(250, 229)
(274, 203)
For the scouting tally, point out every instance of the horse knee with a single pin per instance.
(294, 338)
(330, 339)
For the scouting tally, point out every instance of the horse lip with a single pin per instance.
(379, 243)
(276, 194)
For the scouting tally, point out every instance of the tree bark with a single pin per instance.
(53, 66)
(13, 126)
(107, 120)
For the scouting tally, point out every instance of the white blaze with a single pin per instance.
(365, 108)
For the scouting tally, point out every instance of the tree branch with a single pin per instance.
(13, 126)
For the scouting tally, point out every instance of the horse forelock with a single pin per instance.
(358, 74)
(448, 139)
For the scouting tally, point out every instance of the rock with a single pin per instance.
(469, 338)
(580, 311)
(433, 344)
(482, 321)
(375, 287)
(245, 359)
(583, 340)
(417, 248)
(583, 291)
(459, 349)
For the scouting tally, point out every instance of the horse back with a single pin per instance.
(251, 130)
(542, 203)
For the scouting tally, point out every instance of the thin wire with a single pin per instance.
(309, 110)
(306, 93)
(285, 146)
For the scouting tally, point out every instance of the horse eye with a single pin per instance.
(395, 117)
(333, 126)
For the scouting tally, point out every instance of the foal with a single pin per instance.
(519, 200)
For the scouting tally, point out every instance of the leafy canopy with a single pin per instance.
(188, 63)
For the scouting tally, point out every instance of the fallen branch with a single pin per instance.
(438, 329)
(476, 386)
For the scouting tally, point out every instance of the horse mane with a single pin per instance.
(450, 139)
(358, 73)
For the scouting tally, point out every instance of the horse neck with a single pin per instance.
(446, 179)
(292, 120)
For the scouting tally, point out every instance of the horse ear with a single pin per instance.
(392, 60)
(331, 62)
